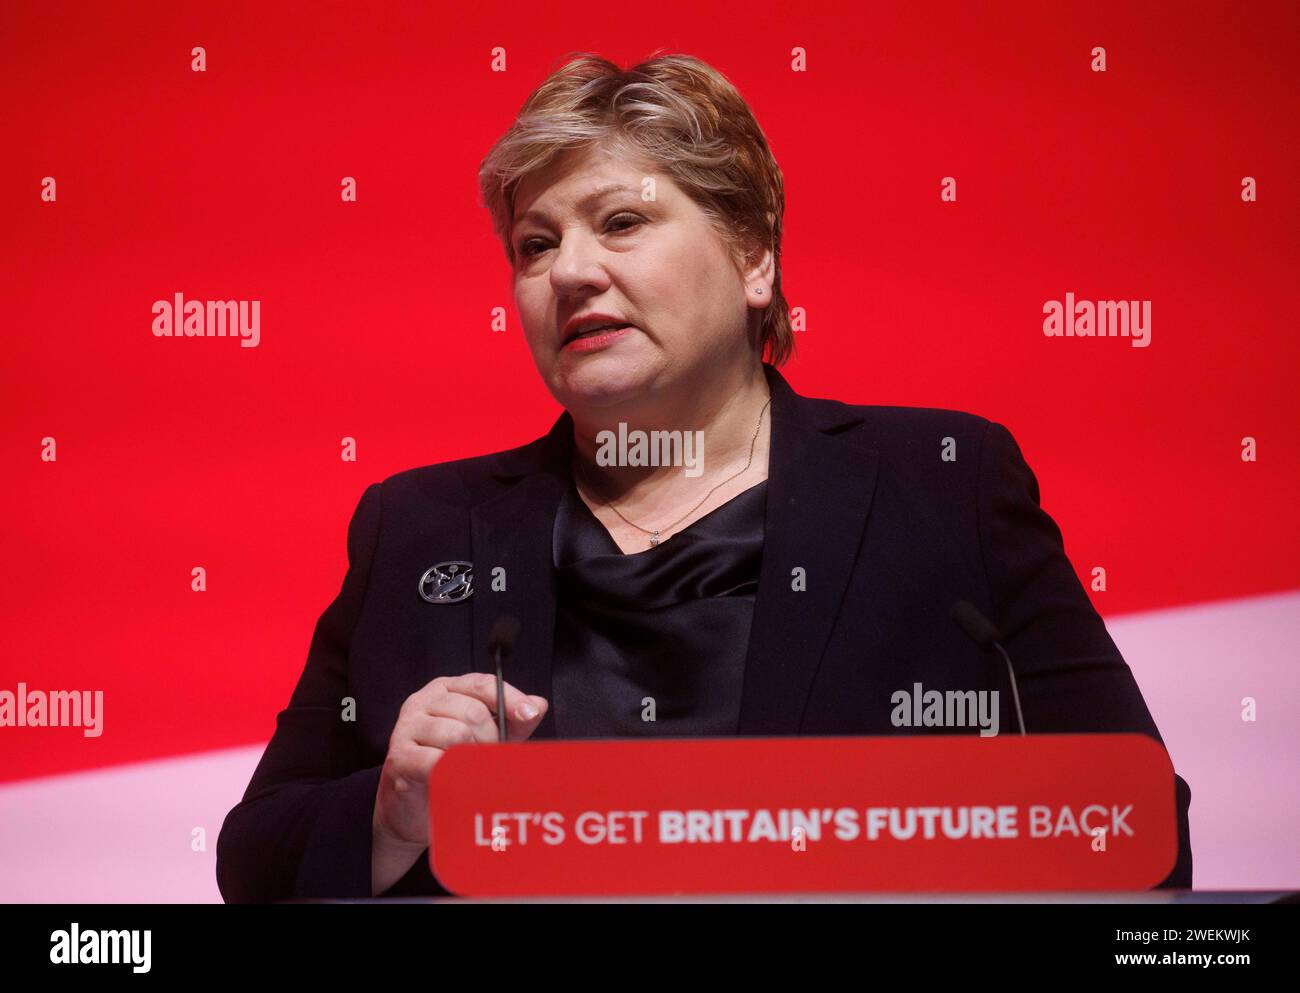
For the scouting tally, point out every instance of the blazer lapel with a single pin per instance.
(819, 493)
(820, 485)
(513, 531)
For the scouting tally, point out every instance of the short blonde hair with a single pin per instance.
(685, 118)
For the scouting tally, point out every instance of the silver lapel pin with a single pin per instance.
(448, 582)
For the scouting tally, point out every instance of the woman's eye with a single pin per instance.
(527, 250)
(625, 219)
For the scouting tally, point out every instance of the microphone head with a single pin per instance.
(977, 627)
(504, 632)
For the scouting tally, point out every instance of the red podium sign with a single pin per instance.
(814, 815)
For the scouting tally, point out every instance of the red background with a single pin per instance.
(174, 453)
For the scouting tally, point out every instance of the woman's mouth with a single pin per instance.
(589, 341)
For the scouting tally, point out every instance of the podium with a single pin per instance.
(816, 816)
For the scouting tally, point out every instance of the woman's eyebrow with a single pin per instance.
(583, 204)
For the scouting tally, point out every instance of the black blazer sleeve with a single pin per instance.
(303, 826)
(1071, 675)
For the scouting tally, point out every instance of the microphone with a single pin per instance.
(500, 643)
(982, 631)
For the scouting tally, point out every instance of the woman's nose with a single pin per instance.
(577, 261)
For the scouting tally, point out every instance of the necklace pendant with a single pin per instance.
(654, 539)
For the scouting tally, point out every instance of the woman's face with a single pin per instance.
(656, 264)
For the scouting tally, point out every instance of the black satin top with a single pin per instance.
(670, 623)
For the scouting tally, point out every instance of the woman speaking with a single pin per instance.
(694, 549)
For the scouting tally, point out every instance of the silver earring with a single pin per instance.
(759, 290)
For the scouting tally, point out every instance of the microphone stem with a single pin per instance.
(501, 698)
(1015, 692)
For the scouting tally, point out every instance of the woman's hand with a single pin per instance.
(449, 710)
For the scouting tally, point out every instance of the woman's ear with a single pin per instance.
(759, 279)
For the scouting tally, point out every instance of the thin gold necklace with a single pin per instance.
(655, 535)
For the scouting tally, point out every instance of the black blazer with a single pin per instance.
(889, 534)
